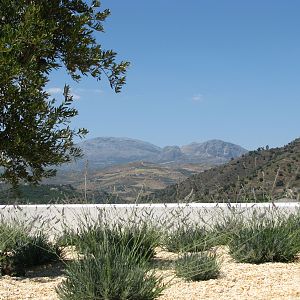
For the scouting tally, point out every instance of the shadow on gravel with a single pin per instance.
(50, 271)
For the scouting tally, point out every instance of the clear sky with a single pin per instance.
(199, 70)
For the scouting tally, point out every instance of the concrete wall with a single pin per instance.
(55, 218)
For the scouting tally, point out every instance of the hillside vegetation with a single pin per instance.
(53, 194)
(42, 194)
(260, 175)
(116, 184)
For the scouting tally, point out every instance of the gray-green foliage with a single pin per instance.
(20, 249)
(139, 239)
(37, 37)
(225, 226)
(69, 237)
(198, 266)
(115, 265)
(266, 238)
(9, 234)
(190, 238)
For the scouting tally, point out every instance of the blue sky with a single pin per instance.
(199, 70)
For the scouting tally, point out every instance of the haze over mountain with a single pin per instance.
(108, 151)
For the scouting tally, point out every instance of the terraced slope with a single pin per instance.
(130, 181)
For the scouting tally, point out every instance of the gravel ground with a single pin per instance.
(238, 281)
(242, 281)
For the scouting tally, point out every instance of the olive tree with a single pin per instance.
(36, 37)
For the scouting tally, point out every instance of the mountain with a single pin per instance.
(171, 154)
(126, 168)
(216, 151)
(105, 151)
(260, 175)
(109, 151)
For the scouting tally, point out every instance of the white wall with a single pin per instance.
(56, 217)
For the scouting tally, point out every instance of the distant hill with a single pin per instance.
(128, 181)
(53, 194)
(131, 168)
(215, 151)
(108, 151)
(131, 181)
(42, 194)
(122, 169)
(260, 175)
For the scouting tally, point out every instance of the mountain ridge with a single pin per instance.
(108, 151)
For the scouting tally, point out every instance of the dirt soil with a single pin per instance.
(237, 281)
